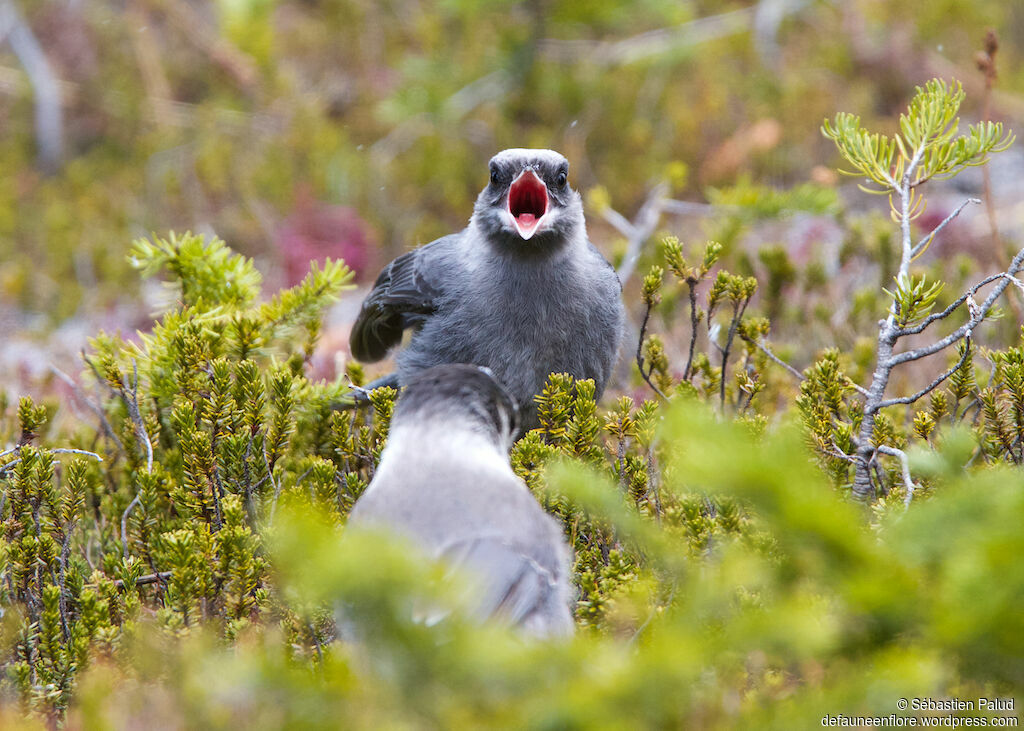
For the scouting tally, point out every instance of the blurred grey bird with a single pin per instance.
(445, 484)
(520, 290)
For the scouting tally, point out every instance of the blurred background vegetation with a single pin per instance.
(723, 581)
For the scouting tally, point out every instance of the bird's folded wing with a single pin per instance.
(513, 587)
(403, 295)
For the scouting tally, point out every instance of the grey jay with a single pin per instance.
(445, 484)
(520, 290)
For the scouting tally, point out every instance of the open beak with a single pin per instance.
(527, 203)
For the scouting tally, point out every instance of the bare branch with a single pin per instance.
(49, 116)
(160, 576)
(905, 192)
(976, 317)
(691, 208)
(619, 222)
(124, 522)
(130, 396)
(83, 452)
(760, 345)
(908, 483)
(639, 231)
(923, 243)
(840, 454)
(737, 315)
(694, 321)
(930, 387)
(640, 354)
(104, 423)
(920, 327)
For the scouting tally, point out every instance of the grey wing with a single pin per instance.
(403, 296)
(515, 587)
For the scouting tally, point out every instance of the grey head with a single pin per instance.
(528, 198)
(459, 396)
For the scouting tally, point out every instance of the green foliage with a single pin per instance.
(201, 269)
(56, 617)
(913, 299)
(927, 140)
(763, 201)
(828, 415)
(833, 415)
(810, 616)
(1002, 406)
(927, 149)
(203, 432)
(724, 309)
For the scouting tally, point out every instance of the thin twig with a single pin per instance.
(737, 315)
(921, 326)
(136, 415)
(651, 615)
(694, 322)
(760, 345)
(96, 408)
(908, 483)
(6, 466)
(273, 482)
(49, 114)
(857, 387)
(83, 452)
(693, 208)
(124, 522)
(652, 481)
(250, 506)
(160, 576)
(839, 453)
(65, 554)
(640, 230)
(923, 243)
(931, 386)
(130, 396)
(976, 318)
(640, 355)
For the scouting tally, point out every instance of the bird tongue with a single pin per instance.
(527, 203)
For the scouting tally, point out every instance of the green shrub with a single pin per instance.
(183, 561)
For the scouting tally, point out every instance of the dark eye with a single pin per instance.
(562, 179)
(495, 177)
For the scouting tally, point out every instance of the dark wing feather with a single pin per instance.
(403, 296)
